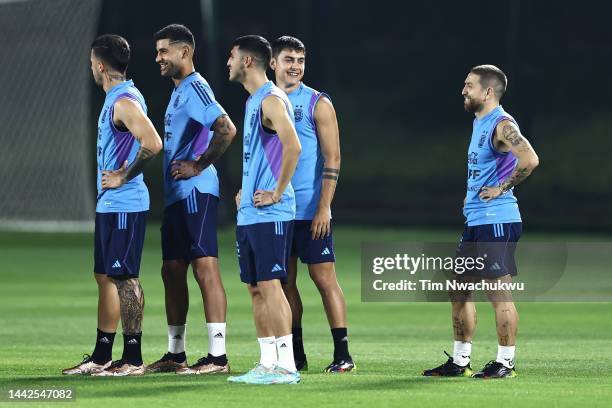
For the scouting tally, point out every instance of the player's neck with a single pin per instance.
(486, 109)
(255, 81)
(111, 83)
(287, 88)
(184, 73)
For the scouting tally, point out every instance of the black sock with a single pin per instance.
(131, 349)
(217, 360)
(298, 344)
(341, 351)
(103, 352)
(178, 357)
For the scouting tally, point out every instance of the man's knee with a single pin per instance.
(172, 271)
(324, 276)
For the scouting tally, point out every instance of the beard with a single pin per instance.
(171, 71)
(472, 106)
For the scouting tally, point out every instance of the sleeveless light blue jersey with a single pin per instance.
(261, 163)
(114, 147)
(309, 171)
(187, 132)
(488, 167)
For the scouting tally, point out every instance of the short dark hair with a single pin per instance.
(286, 42)
(175, 32)
(493, 77)
(112, 49)
(257, 46)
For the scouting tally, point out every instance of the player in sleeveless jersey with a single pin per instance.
(126, 141)
(314, 183)
(499, 158)
(197, 132)
(266, 208)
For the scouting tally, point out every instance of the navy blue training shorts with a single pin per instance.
(311, 251)
(263, 251)
(119, 238)
(189, 228)
(495, 243)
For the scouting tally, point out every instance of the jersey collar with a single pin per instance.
(490, 114)
(297, 90)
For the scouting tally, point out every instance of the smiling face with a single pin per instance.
(474, 94)
(170, 57)
(236, 66)
(289, 66)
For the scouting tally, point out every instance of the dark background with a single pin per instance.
(395, 73)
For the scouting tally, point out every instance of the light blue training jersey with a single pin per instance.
(307, 180)
(190, 114)
(261, 163)
(114, 147)
(488, 167)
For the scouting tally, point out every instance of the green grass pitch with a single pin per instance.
(47, 321)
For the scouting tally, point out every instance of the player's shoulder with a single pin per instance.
(129, 102)
(274, 93)
(308, 89)
(199, 88)
(315, 96)
(505, 119)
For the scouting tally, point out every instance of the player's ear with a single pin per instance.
(273, 64)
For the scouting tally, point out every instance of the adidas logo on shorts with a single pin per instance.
(277, 268)
(326, 251)
(496, 267)
(117, 264)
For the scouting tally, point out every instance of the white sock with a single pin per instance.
(505, 355)
(176, 338)
(267, 347)
(216, 339)
(284, 348)
(462, 350)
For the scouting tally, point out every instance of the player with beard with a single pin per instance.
(499, 158)
(126, 141)
(197, 133)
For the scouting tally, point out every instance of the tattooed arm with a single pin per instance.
(131, 304)
(329, 139)
(509, 139)
(128, 114)
(224, 132)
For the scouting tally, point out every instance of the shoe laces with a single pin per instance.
(165, 357)
(116, 364)
(86, 358)
(450, 359)
(491, 364)
(259, 368)
(202, 361)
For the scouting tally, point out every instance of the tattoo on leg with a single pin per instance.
(458, 326)
(131, 300)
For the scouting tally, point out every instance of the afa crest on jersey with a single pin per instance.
(297, 113)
